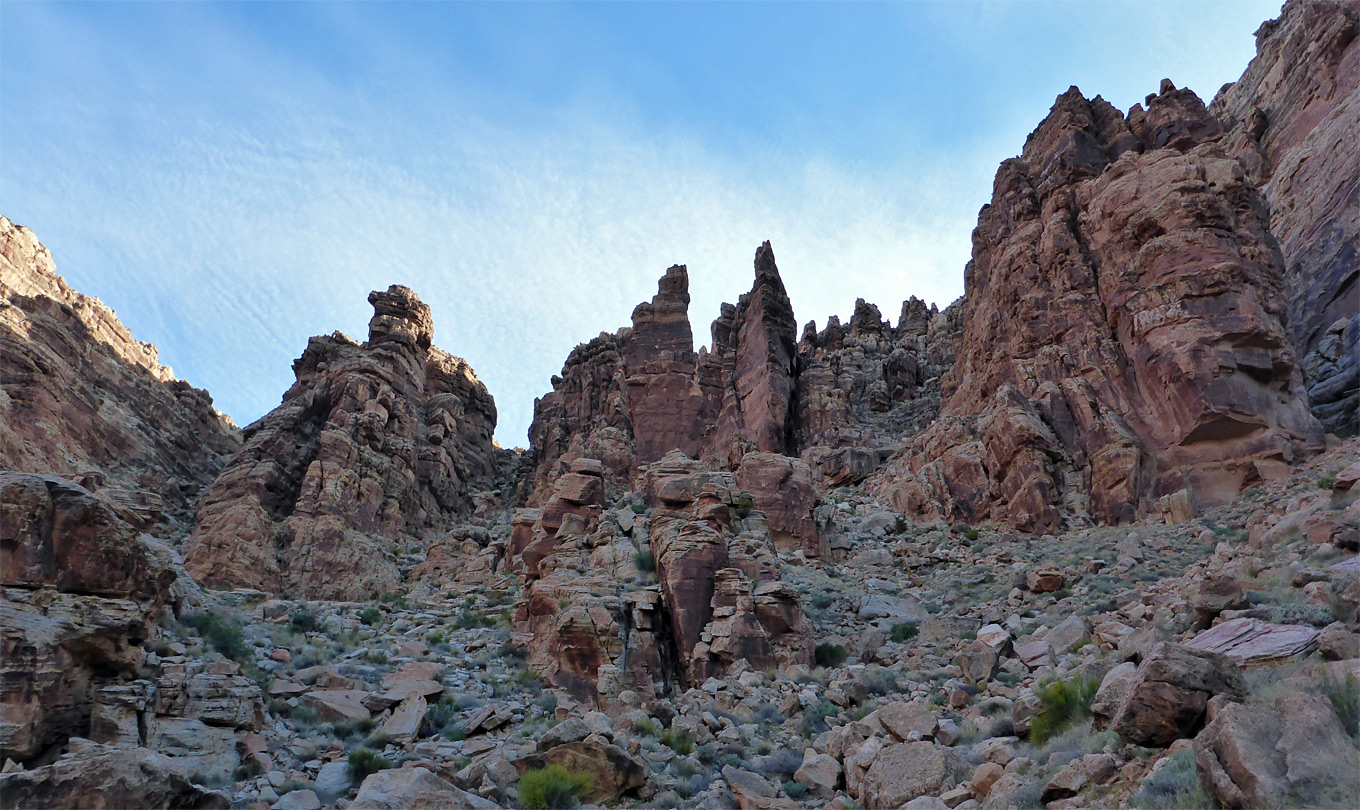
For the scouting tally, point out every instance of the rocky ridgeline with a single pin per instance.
(1293, 130)
(1154, 371)
(1106, 560)
(80, 397)
(374, 442)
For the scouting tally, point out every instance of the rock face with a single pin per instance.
(1292, 750)
(81, 592)
(119, 777)
(1166, 698)
(375, 441)
(80, 397)
(1154, 358)
(595, 631)
(1292, 120)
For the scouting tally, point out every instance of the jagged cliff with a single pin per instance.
(80, 397)
(1144, 351)
(375, 441)
(1293, 121)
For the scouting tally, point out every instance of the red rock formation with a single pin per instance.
(79, 396)
(1154, 357)
(81, 594)
(374, 441)
(1293, 120)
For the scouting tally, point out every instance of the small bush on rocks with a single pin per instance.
(679, 742)
(902, 631)
(1344, 693)
(552, 787)
(829, 655)
(1063, 703)
(363, 763)
(1174, 786)
(222, 633)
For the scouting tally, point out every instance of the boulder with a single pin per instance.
(119, 777)
(414, 789)
(820, 772)
(905, 771)
(1167, 696)
(1293, 749)
(1252, 641)
(613, 772)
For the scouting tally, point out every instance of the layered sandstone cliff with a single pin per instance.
(1293, 120)
(374, 442)
(1124, 331)
(79, 396)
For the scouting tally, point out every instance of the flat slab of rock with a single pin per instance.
(1252, 641)
(338, 705)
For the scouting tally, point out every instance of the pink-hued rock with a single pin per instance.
(83, 398)
(782, 488)
(1292, 120)
(1252, 641)
(1154, 357)
(373, 443)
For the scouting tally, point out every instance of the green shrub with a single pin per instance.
(363, 763)
(1344, 694)
(1174, 786)
(1062, 703)
(370, 616)
(814, 718)
(902, 631)
(644, 560)
(744, 505)
(795, 790)
(647, 728)
(972, 534)
(304, 622)
(829, 655)
(553, 787)
(678, 741)
(638, 508)
(222, 634)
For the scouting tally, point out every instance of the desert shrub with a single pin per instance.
(304, 622)
(829, 655)
(1173, 786)
(814, 718)
(644, 560)
(744, 505)
(547, 701)
(677, 741)
(222, 633)
(784, 762)
(822, 601)
(370, 616)
(470, 618)
(647, 728)
(363, 763)
(795, 790)
(552, 787)
(768, 714)
(1344, 693)
(902, 631)
(1062, 703)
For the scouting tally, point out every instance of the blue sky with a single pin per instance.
(235, 178)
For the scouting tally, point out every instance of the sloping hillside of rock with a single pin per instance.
(79, 396)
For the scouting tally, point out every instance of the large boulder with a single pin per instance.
(1293, 750)
(414, 789)
(613, 772)
(108, 776)
(1166, 698)
(906, 771)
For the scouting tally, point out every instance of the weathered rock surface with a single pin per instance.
(1293, 749)
(1252, 641)
(1165, 700)
(1155, 359)
(80, 397)
(374, 442)
(906, 771)
(1292, 120)
(106, 776)
(414, 789)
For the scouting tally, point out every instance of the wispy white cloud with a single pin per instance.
(229, 227)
